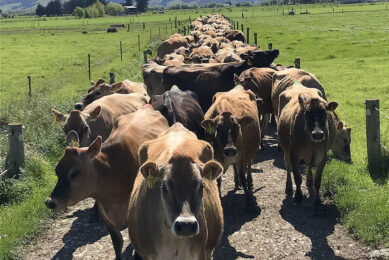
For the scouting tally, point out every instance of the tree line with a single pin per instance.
(87, 8)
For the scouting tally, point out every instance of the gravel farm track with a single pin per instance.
(281, 230)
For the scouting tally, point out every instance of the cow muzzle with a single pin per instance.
(230, 151)
(79, 106)
(317, 135)
(186, 226)
(50, 203)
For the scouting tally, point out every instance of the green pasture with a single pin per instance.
(348, 51)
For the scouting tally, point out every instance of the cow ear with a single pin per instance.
(58, 116)
(116, 86)
(151, 173)
(209, 126)
(95, 113)
(142, 152)
(95, 146)
(340, 125)
(212, 170)
(332, 106)
(246, 120)
(100, 81)
(92, 83)
(348, 129)
(236, 79)
(72, 139)
(301, 100)
(206, 153)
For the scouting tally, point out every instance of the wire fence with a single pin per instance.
(387, 118)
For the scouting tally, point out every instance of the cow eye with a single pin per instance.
(74, 174)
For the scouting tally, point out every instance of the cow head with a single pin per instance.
(79, 122)
(341, 146)
(181, 188)
(224, 131)
(261, 59)
(98, 90)
(315, 115)
(75, 172)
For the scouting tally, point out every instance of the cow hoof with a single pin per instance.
(298, 198)
(289, 191)
(250, 187)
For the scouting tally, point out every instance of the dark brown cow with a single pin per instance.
(306, 132)
(180, 106)
(106, 172)
(101, 88)
(232, 125)
(98, 117)
(233, 35)
(175, 210)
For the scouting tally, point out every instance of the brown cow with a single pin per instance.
(306, 132)
(201, 54)
(175, 210)
(101, 88)
(259, 80)
(173, 59)
(152, 77)
(233, 35)
(232, 125)
(341, 146)
(169, 45)
(99, 116)
(106, 172)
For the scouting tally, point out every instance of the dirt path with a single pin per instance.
(281, 230)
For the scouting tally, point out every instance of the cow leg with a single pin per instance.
(298, 196)
(288, 186)
(219, 186)
(251, 203)
(236, 178)
(265, 123)
(94, 213)
(319, 171)
(309, 181)
(117, 240)
(250, 185)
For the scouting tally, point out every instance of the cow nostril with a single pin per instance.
(177, 226)
(193, 227)
(229, 151)
(50, 204)
(317, 135)
(78, 106)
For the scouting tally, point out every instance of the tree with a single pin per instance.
(100, 8)
(91, 12)
(114, 9)
(40, 10)
(79, 12)
(141, 5)
(53, 8)
(127, 3)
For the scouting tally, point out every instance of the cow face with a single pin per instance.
(79, 122)
(76, 178)
(97, 91)
(341, 146)
(315, 115)
(181, 191)
(224, 131)
(261, 59)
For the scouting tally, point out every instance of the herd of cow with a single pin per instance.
(156, 163)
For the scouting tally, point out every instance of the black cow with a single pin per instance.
(180, 106)
(204, 80)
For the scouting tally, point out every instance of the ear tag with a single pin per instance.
(55, 119)
(74, 144)
(297, 82)
(151, 180)
(249, 63)
(238, 86)
(211, 130)
(209, 176)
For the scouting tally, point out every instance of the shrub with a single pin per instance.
(114, 9)
(79, 12)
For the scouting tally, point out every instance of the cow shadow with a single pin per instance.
(82, 232)
(315, 228)
(235, 216)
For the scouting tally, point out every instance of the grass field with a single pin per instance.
(348, 51)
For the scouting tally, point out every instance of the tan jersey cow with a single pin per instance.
(169, 45)
(99, 116)
(232, 125)
(106, 172)
(152, 77)
(306, 132)
(100, 89)
(175, 210)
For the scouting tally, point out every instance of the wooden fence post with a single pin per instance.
(248, 35)
(237, 25)
(111, 78)
(128, 27)
(15, 157)
(145, 56)
(297, 63)
(121, 51)
(373, 135)
(270, 46)
(256, 39)
(89, 66)
(138, 42)
(241, 28)
(150, 35)
(29, 85)
(144, 25)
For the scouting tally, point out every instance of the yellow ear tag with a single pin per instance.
(151, 180)
(209, 175)
(210, 130)
(55, 119)
(74, 144)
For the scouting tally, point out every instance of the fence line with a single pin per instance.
(387, 117)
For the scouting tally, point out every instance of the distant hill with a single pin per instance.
(24, 5)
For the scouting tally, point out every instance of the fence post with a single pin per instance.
(297, 63)
(128, 27)
(159, 31)
(145, 56)
(373, 135)
(138, 42)
(144, 25)
(248, 35)
(111, 78)
(241, 27)
(15, 157)
(89, 66)
(256, 39)
(29, 85)
(175, 23)
(150, 35)
(237, 25)
(121, 51)
(270, 46)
